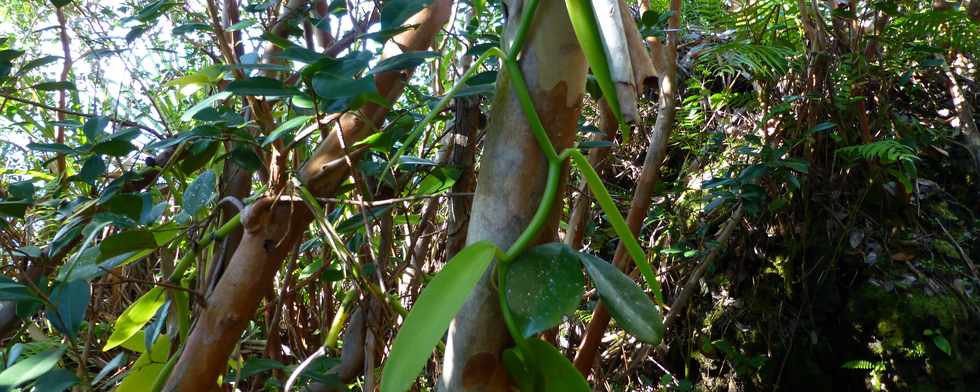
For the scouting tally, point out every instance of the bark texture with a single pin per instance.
(272, 228)
(511, 183)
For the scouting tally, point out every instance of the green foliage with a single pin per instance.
(430, 317)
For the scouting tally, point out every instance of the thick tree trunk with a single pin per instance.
(511, 183)
(272, 228)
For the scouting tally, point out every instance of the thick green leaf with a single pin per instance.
(135, 317)
(54, 86)
(289, 125)
(21, 190)
(396, 12)
(7, 55)
(30, 368)
(245, 158)
(57, 380)
(71, 302)
(13, 291)
(260, 86)
(94, 128)
(333, 87)
(144, 371)
(402, 61)
(52, 147)
(14, 209)
(555, 373)
(430, 316)
(199, 193)
(126, 241)
(205, 103)
(37, 63)
(60, 3)
(109, 367)
(92, 169)
(190, 27)
(626, 301)
(543, 285)
(114, 147)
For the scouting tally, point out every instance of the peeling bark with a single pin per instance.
(511, 183)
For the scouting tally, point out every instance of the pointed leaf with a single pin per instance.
(71, 301)
(627, 302)
(199, 193)
(396, 12)
(135, 317)
(430, 316)
(30, 368)
(57, 380)
(555, 372)
(260, 86)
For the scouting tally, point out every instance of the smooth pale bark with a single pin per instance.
(511, 182)
(643, 194)
(614, 42)
(272, 228)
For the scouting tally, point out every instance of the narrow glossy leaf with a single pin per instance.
(37, 63)
(54, 86)
(289, 125)
(114, 147)
(260, 86)
(94, 128)
(144, 371)
(71, 302)
(555, 373)
(206, 103)
(517, 369)
(255, 366)
(56, 380)
(402, 61)
(199, 193)
(626, 301)
(135, 317)
(586, 29)
(30, 368)
(190, 27)
(92, 169)
(126, 241)
(13, 291)
(329, 86)
(14, 209)
(245, 158)
(22, 190)
(608, 206)
(396, 12)
(153, 330)
(109, 367)
(544, 284)
(430, 316)
(52, 147)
